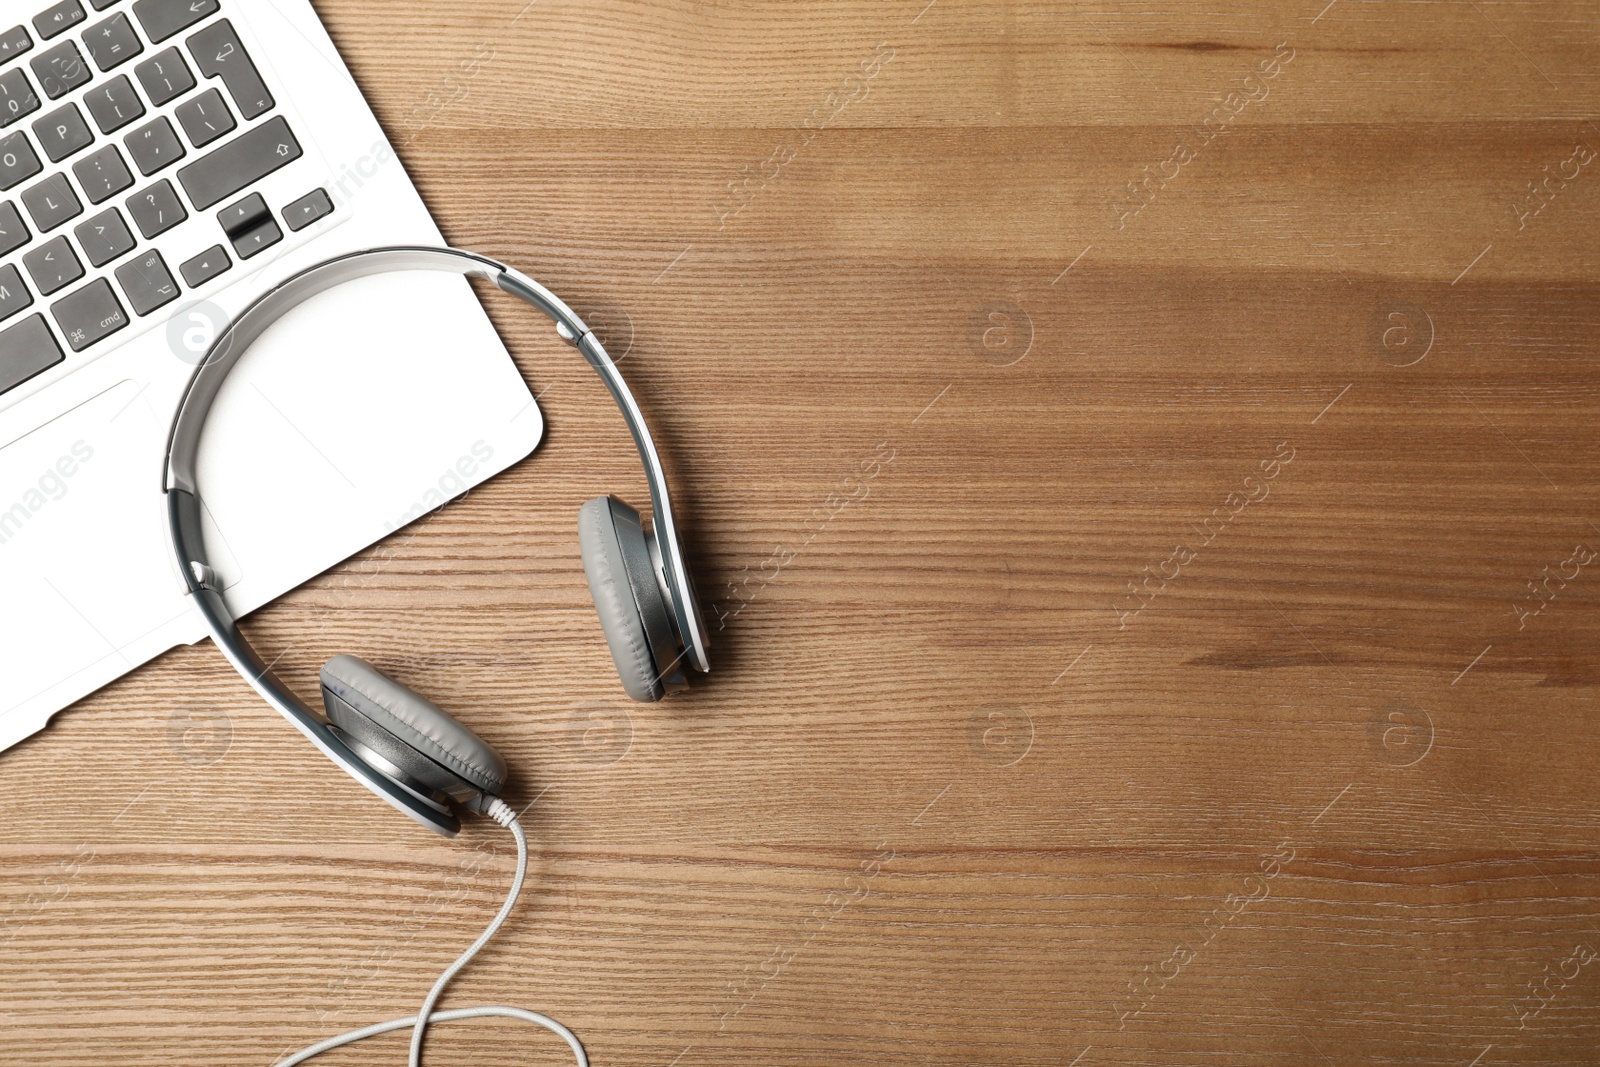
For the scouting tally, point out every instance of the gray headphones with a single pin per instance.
(394, 741)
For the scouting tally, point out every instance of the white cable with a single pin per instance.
(502, 814)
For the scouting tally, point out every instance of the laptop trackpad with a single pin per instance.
(58, 485)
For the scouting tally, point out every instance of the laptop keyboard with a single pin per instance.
(92, 175)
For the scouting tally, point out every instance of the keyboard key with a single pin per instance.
(217, 52)
(53, 265)
(163, 18)
(14, 296)
(157, 209)
(146, 282)
(13, 233)
(112, 41)
(205, 118)
(165, 76)
(154, 145)
(263, 235)
(308, 209)
(26, 349)
(207, 265)
(101, 5)
(102, 174)
(60, 70)
(60, 17)
(13, 43)
(249, 225)
(104, 237)
(89, 314)
(62, 132)
(247, 158)
(113, 104)
(52, 202)
(238, 217)
(17, 97)
(18, 162)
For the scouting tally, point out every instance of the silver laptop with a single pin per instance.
(161, 163)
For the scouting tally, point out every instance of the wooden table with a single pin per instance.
(1142, 461)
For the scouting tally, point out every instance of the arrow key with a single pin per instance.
(264, 234)
(249, 225)
(207, 265)
(308, 209)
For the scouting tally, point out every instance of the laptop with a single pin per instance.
(162, 163)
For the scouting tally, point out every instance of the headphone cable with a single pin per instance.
(501, 813)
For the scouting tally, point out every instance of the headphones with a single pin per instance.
(396, 742)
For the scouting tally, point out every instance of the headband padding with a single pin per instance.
(627, 597)
(406, 728)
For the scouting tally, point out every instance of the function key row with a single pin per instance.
(160, 19)
(58, 18)
(163, 18)
(112, 41)
(14, 42)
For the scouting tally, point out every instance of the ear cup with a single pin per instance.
(407, 729)
(634, 613)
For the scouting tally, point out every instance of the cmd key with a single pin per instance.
(87, 315)
(247, 158)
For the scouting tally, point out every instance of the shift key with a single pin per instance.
(243, 160)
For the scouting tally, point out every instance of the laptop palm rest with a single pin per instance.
(304, 433)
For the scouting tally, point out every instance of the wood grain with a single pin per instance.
(1326, 796)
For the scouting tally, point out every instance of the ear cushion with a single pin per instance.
(622, 580)
(407, 729)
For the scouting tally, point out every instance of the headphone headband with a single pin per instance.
(183, 502)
